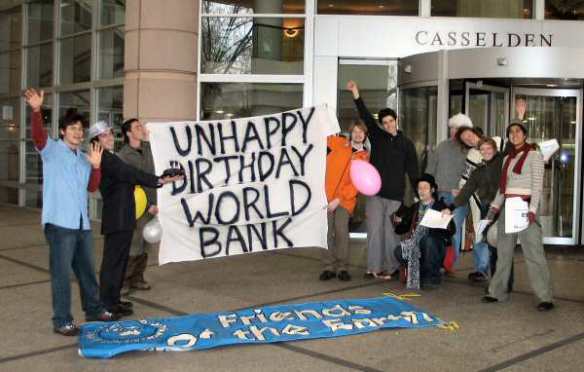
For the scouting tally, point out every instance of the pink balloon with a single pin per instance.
(365, 177)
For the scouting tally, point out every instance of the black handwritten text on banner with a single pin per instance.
(251, 184)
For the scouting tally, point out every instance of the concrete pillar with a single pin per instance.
(161, 59)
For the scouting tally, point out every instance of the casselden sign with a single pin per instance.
(482, 39)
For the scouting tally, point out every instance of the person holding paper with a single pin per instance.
(342, 199)
(447, 164)
(424, 249)
(393, 155)
(483, 182)
(521, 177)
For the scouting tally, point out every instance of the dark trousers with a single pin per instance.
(113, 266)
(432, 252)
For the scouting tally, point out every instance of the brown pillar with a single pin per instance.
(161, 59)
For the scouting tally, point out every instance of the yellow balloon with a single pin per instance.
(141, 201)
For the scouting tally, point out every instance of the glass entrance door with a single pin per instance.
(555, 113)
(488, 107)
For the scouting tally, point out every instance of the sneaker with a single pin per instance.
(104, 316)
(545, 306)
(489, 299)
(69, 329)
(344, 276)
(327, 275)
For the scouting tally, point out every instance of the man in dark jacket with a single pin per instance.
(394, 156)
(118, 219)
(137, 153)
(433, 242)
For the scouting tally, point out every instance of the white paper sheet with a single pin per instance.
(516, 210)
(548, 148)
(434, 220)
(481, 229)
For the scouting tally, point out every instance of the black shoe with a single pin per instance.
(545, 306)
(344, 276)
(126, 304)
(104, 316)
(121, 311)
(489, 300)
(69, 329)
(368, 276)
(327, 275)
(477, 277)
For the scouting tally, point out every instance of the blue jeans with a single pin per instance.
(482, 257)
(459, 216)
(72, 249)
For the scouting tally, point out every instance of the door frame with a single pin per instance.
(559, 92)
(491, 89)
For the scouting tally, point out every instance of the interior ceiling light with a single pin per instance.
(219, 112)
(291, 32)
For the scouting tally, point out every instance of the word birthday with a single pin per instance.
(250, 184)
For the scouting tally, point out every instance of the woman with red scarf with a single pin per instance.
(522, 176)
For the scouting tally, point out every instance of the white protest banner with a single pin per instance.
(251, 184)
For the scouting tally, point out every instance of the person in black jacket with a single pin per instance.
(433, 242)
(118, 219)
(394, 156)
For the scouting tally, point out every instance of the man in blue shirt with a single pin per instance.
(68, 175)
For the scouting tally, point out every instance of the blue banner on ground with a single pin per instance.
(251, 326)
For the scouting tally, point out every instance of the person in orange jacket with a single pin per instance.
(342, 198)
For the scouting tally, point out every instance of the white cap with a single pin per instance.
(98, 128)
(459, 120)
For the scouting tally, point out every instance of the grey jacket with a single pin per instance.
(446, 164)
(141, 159)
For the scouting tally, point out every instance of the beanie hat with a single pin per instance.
(459, 120)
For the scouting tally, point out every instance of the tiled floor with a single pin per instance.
(511, 336)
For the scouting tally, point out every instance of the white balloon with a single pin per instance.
(152, 231)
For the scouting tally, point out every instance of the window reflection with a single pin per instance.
(371, 7)
(563, 9)
(234, 100)
(252, 45)
(483, 8)
(253, 6)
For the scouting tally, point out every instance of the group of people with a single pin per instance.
(468, 176)
(69, 174)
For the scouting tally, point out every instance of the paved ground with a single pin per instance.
(512, 336)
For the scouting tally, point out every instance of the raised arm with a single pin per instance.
(35, 100)
(94, 158)
(364, 113)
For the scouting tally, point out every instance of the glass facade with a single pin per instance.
(243, 45)
(483, 8)
(74, 51)
(261, 46)
(369, 7)
(564, 9)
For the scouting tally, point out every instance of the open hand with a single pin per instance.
(94, 155)
(446, 212)
(34, 98)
